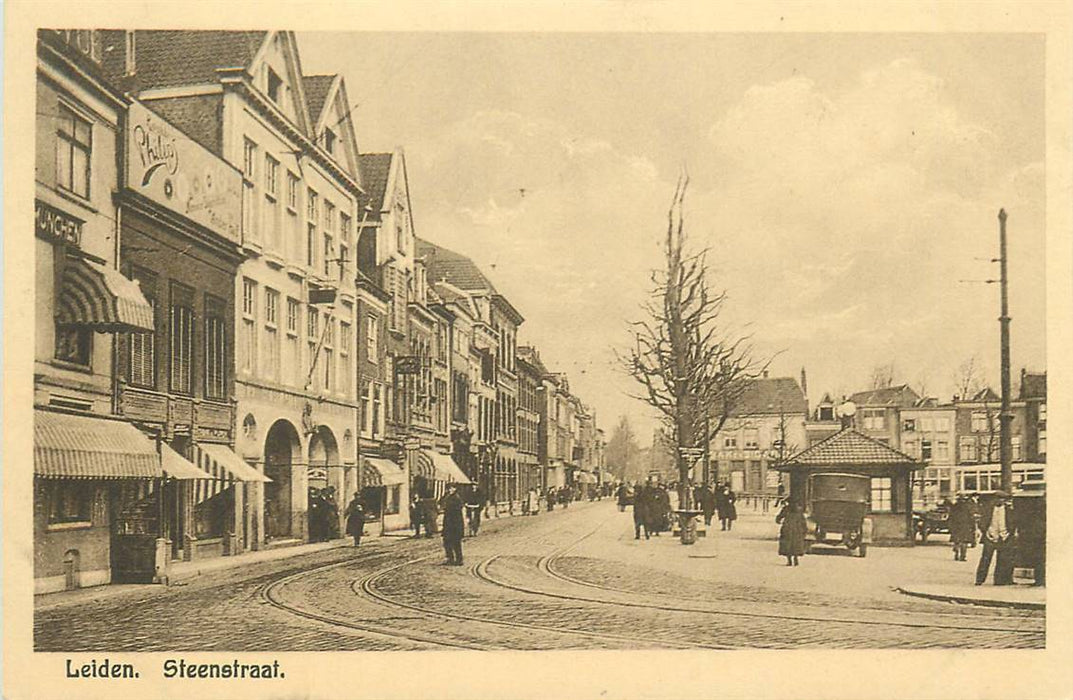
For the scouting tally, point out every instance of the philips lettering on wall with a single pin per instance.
(173, 170)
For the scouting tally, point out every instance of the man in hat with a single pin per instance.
(355, 519)
(453, 525)
(997, 526)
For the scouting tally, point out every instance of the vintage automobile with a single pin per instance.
(836, 512)
(929, 522)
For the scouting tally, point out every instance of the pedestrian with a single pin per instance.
(792, 533)
(707, 503)
(331, 514)
(962, 527)
(728, 512)
(453, 525)
(640, 516)
(355, 519)
(474, 507)
(623, 496)
(417, 514)
(997, 526)
(429, 514)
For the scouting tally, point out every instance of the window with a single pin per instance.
(181, 338)
(942, 450)
(942, 425)
(1015, 448)
(74, 148)
(881, 493)
(730, 442)
(982, 422)
(372, 338)
(328, 351)
(275, 84)
(271, 337)
(927, 425)
(366, 408)
(967, 447)
(344, 243)
(1043, 412)
(249, 203)
(271, 212)
(378, 411)
(141, 347)
(292, 363)
(912, 447)
(70, 502)
(344, 358)
(874, 419)
(752, 438)
(215, 348)
(909, 425)
(312, 331)
(329, 141)
(249, 330)
(74, 345)
(329, 255)
(312, 208)
(1043, 443)
(925, 450)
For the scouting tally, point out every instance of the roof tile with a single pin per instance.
(848, 447)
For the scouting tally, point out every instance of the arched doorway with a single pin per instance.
(325, 480)
(283, 449)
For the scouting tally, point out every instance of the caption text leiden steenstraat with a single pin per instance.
(176, 668)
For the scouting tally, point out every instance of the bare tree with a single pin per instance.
(883, 376)
(967, 378)
(691, 367)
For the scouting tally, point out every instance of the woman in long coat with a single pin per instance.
(706, 498)
(792, 532)
(962, 527)
(728, 512)
(355, 520)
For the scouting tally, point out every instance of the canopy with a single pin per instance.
(178, 467)
(446, 469)
(99, 297)
(70, 446)
(381, 472)
(225, 465)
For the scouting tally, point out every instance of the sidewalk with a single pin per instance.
(1022, 596)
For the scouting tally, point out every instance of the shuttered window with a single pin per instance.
(215, 348)
(181, 337)
(141, 347)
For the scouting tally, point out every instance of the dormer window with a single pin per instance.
(329, 141)
(274, 85)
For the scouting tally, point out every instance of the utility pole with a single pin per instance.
(1005, 415)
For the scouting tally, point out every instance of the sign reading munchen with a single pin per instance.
(51, 223)
(171, 169)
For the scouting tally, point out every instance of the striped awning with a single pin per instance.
(223, 468)
(446, 469)
(85, 447)
(178, 467)
(99, 297)
(381, 472)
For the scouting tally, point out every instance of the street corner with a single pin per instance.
(1017, 596)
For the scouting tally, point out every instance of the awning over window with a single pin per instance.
(85, 447)
(178, 467)
(99, 297)
(381, 472)
(446, 469)
(423, 464)
(223, 464)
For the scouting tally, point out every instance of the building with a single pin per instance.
(530, 382)
(243, 97)
(890, 505)
(823, 421)
(977, 430)
(877, 413)
(180, 214)
(1033, 393)
(928, 435)
(499, 315)
(767, 426)
(96, 476)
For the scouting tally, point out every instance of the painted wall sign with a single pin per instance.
(51, 223)
(173, 170)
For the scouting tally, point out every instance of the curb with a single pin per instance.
(970, 600)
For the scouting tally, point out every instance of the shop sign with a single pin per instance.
(53, 224)
(174, 171)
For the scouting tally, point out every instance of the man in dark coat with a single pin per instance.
(623, 495)
(728, 512)
(474, 506)
(962, 526)
(792, 533)
(453, 525)
(640, 515)
(706, 499)
(997, 525)
(355, 519)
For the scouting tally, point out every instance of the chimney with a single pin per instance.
(804, 383)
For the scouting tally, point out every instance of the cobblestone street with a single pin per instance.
(565, 580)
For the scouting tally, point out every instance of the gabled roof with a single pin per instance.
(902, 396)
(375, 168)
(826, 400)
(986, 395)
(1033, 385)
(775, 395)
(444, 264)
(848, 447)
(316, 88)
(167, 58)
(529, 355)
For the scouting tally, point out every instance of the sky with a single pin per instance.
(847, 186)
